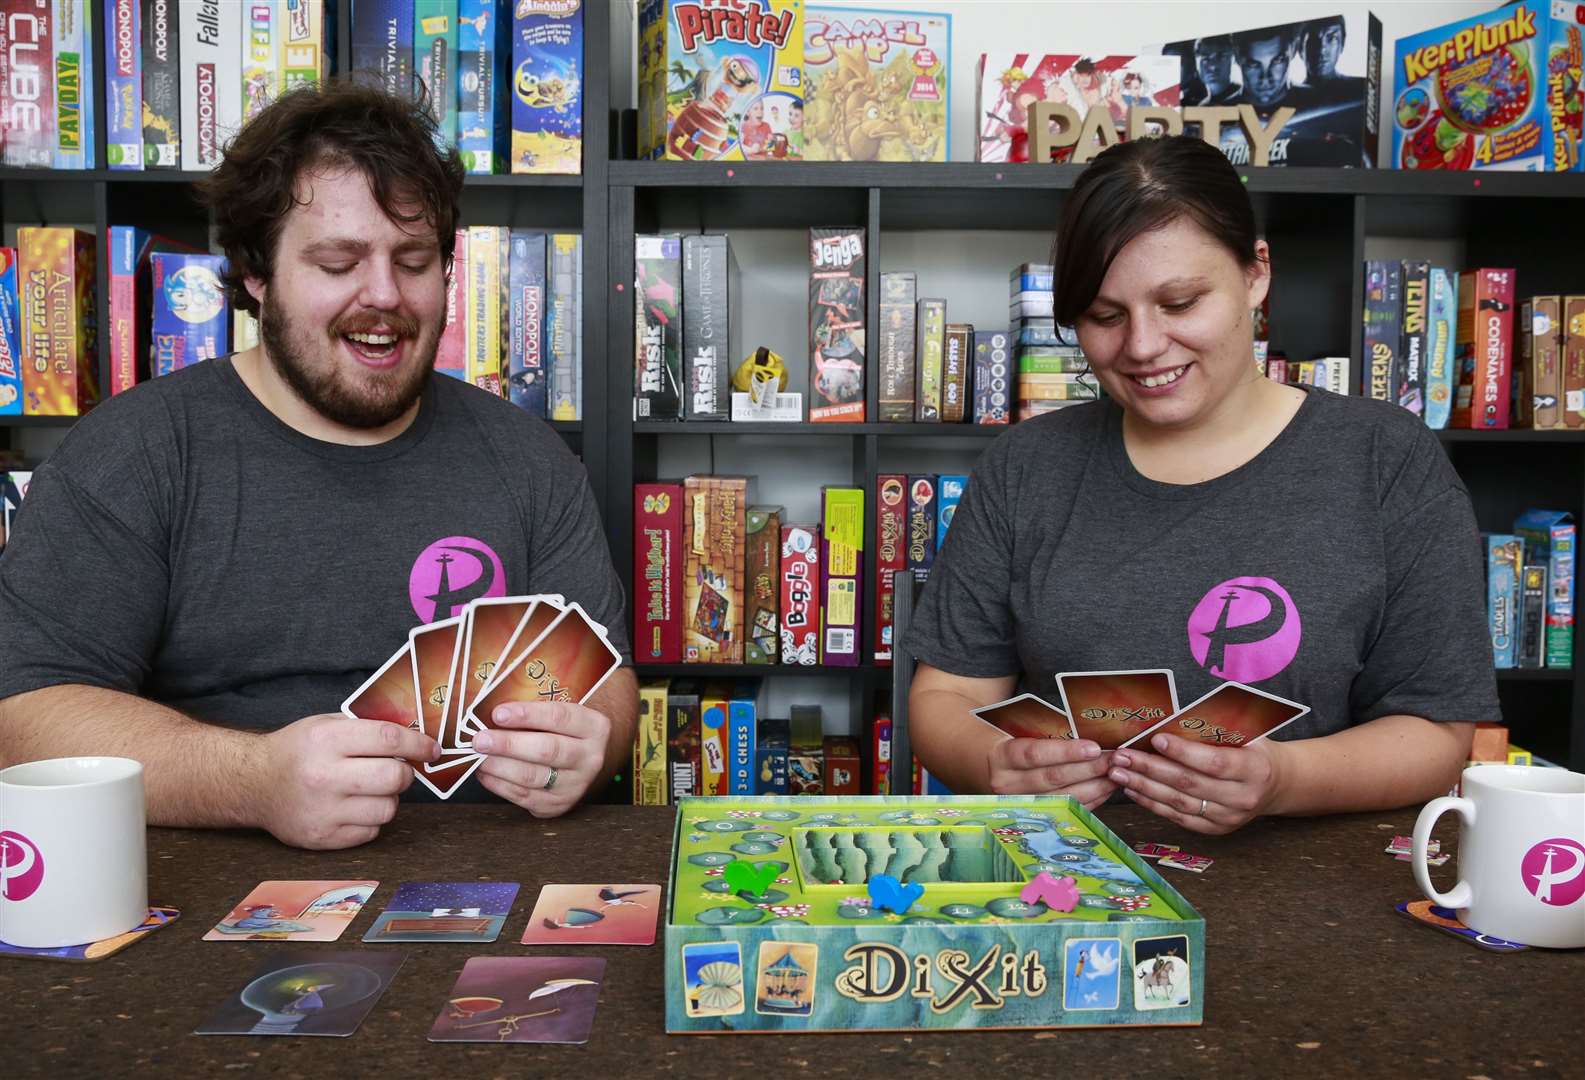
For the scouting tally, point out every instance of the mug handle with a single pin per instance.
(1461, 894)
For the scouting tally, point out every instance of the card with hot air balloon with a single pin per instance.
(522, 999)
(594, 915)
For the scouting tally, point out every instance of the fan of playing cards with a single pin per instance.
(1115, 709)
(451, 675)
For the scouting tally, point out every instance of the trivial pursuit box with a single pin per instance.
(813, 953)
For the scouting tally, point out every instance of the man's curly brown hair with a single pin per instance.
(342, 124)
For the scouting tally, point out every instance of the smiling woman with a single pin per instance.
(1209, 521)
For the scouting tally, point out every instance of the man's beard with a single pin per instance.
(381, 397)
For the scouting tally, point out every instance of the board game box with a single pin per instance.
(713, 529)
(762, 585)
(547, 86)
(162, 84)
(955, 361)
(921, 526)
(1574, 361)
(711, 327)
(790, 939)
(876, 85)
(10, 336)
(1383, 311)
(800, 595)
(657, 375)
(841, 575)
(1007, 84)
(484, 50)
(188, 323)
(1538, 383)
(1484, 349)
(930, 329)
(564, 326)
(891, 528)
(435, 32)
(1440, 375)
(836, 325)
(683, 739)
(899, 293)
(56, 283)
(527, 310)
(992, 392)
(657, 573)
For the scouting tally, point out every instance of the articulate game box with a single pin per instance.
(657, 368)
(710, 326)
(714, 510)
(762, 585)
(898, 913)
(1327, 70)
(58, 304)
(891, 531)
(720, 82)
(1500, 90)
(899, 294)
(876, 85)
(189, 321)
(657, 573)
(1484, 349)
(800, 595)
(841, 575)
(547, 86)
(836, 325)
(1007, 84)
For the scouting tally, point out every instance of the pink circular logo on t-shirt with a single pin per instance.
(1554, 871)
(1245, 629)
(451, 572)
(21, 866)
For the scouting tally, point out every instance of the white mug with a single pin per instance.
(73, 854)
(1521, 854)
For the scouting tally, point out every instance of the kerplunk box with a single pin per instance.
(807, 947)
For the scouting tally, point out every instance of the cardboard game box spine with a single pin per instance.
(714, 514)
(123, 86)
(891, 531)
(836, 325)
(657, 360)
(657, 573)
(452, 351)
(546, 87)
(1549, 537)
(710, 326)
(843, 766)
(762, 585)
(483, 48)
(10, 338)
(683, 738)
(435, 32)
(806, 751)
(527, 309)
(303, 44)
(1538, 383)
(75, 84)
(1573, 362)
(128, 334)
(770, 756)
(955, 362)
(58, 298)
(921, 526)
(1532, 616)
(1485, 349)
(161, 111)
(800, 595)
(382, 42)
(841, 576)
(260, 57)
(1503, 562)
(992, 385)
(200, 331)
(27, 90)
(899, 295)
(949, 492)
(713, 715)
(878, 775)
(564, 333)
(650, 786)
(930, 336)
(211, 33)
(1440, 367)
(482, 355)
(1409, 380)
(1383, 311)
(742, 730)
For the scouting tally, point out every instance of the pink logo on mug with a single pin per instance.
(21, 866)
(1554, 871)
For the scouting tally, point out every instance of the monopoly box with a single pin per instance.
(810, 950)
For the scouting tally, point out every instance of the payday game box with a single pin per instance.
(772, 925)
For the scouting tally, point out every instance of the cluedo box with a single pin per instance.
(778, 922)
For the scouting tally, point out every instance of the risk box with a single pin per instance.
(683, 739)
(714, 510)
(930, 335)
(891, 531)
(188, 322)
(992, 383)
(1484, 349)
(649, 750)
(841, 575)
(547, 86)
(843, 766)
(1549, 539)
(1574, 361)
(657, 368)
(898, 296)
(763, 585)
(10, 336)
(921, 526)
(955, 360)
(949, 492)
(564, 332)
(710, 326)
(657, 573)
(887, 64)
(815, 951)
(1007, 84)
(161, 55)
(58, 302)
(1409, 378)
(527, 263)
(1503, 560)
(1499, 90)
(1383, 313)
(1538, 381)
(720, 81)
(836, 325)
(1442, 322)
(800, 595)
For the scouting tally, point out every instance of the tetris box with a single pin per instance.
(813, 952)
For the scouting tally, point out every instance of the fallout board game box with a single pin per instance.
(895, 913)
(547, 86)
(1494, 91)
(713, 531)
(719, 82)
(1007, 84)
(1327, 70)
(836, 325)
(875, 85)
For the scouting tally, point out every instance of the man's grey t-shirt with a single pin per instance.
(186, 545)
(1341, 568)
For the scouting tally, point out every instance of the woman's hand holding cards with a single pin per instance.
(1050, 766)
(543, 755)
(1206, 789)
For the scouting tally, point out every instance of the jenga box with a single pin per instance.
(898, 297)
(762, 585)
(711, 303)
(714, 711)
(657, 573)
(657, 362)
(891, 550)
(956, 356)
(1538, 382)
(843, 765)
(58, 309)
(1573, 362)
(1485, 349)
(649, 750)
(841, 575)
(800, 595)
(714, 513)
(683, 736)
(836, 325)
(921, 526)
(720, 81)
(929, 336)
(10, 336)
(992, 376)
